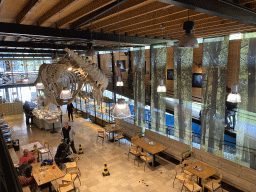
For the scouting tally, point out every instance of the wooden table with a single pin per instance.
(112, 130)
(143, 143)
(30, 146)
(206, 172)
(49, 121)
(51, 174)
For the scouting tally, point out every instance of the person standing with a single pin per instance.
(70, 111)
(27, 110)
(68, 135)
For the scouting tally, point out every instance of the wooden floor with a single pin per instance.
(124, 175)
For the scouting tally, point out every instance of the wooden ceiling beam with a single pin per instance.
(220, 8)
(90, 17)
(198, 20)
(215, 33)
(242, 2)
(54, 10)
(227, 27)
(94, 5)
(146, 9)
(28, 7)
(152, 17)
(123, 8)
(174, 18)
(178, 27)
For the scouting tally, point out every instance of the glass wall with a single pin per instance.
(15, 71)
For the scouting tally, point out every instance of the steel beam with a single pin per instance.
(52, 46)
(56, 33)
(26, 55)
(220, 8)
(30, 51)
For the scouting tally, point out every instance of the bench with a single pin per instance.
(14, 156)
(176, 149)
(239, 176)
(129, 129)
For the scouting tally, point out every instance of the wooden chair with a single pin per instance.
(186, 163)
(134, 151)
(71, 176)
(145, 157)
(191, 186)
(134, 138)
(65, 187)
(102, 135)
(213, 184)
(35, 153)
(73, 165)
(119, 136)
(181, 176)
(45, 150)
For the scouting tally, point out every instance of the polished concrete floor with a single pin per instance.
(124, 175)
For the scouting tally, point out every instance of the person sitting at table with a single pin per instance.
(25, 175)
(26, 157)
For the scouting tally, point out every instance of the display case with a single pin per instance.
(46, 119)
(6, 132)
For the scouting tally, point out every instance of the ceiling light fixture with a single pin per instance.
(161, 87)
(70, 68)
(234, 96)
(119, 82)
(25, 80)
(39, 86)
(90, 51)
(188, 40)
(121, 110)
(65, 94)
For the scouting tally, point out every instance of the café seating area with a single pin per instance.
(145, 170)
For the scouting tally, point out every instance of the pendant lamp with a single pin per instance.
(188, 40)
(121, 110)
(25, 80)
(234, 96)
(65, 94)
(119, 82)
(39, 86)
(90, 51)
(161, 87)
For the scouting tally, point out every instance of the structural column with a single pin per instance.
(183, 61)
(215, 57)
(246, 113)
(158, 57)
(139, 86)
